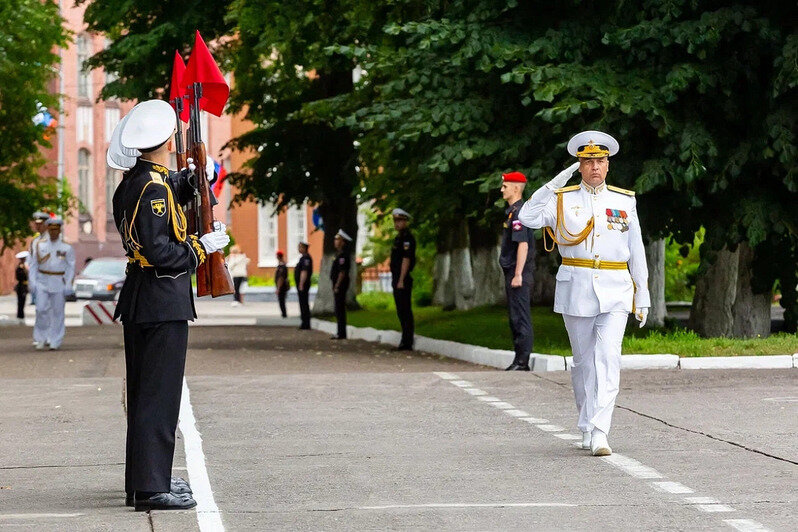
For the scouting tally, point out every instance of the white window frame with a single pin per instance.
(268, 235)
(296, 220)
(84, 45)
(112, 116)
(88, 200)
(85, 124)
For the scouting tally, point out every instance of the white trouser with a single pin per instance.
(596, 372)
(49, 326)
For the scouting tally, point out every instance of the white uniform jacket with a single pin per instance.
(52, 264)
(615, 237)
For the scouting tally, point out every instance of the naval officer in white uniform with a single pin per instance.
(603, 276)
(52, 266)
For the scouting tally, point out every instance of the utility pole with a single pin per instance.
(61, 118)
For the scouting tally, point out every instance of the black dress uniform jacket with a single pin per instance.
(513, 233)
(404, 246)
(148, 215)
(305, 264)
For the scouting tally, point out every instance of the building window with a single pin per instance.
(267, 236)
(84, 181)
(296, 219)
(85, 123)
(112, 179)
(84, 75)
(111, 120)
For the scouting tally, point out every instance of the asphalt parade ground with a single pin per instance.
(286, 430)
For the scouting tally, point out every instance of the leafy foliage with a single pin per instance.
(30, 33)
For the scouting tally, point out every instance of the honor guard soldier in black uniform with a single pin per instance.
(339, 276)
(155, 303)
(517, 261)
(403, 260)
(302, 274)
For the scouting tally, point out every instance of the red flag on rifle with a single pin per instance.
(176, 88)
(203, 69)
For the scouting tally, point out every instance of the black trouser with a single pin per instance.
(520, 321)
(304, 308)
(281, 299)
(340, 308)
(403, 297)
(155, 355)
(237, 286)
(21, 296)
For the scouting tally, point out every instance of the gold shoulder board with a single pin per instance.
(621, 190)
(566, 189)
(158, 178)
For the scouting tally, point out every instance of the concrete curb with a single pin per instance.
(541, 362)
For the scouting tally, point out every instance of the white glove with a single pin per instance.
(642, 315)
(563, 177)
(191, 165)
(215, 241)
(219, 226)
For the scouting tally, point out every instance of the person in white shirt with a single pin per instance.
(52, 266)
(603, 276)
(237, 264)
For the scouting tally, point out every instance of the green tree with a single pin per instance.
(31, 32)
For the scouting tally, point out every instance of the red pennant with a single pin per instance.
(203, 69)
(176, 88)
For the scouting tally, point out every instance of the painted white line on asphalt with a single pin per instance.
(671, 487)
(534, 420)
(702, 500)
(35, 516)
(714, 508)
(777, 400)
(474, 505)
(568, 437)
(551, 428)
(446, 376)
(461, 384)
(208, 516)
(516, 413)
(489, 399)
(475, 391)
(631, 466)
(746, 525)
(502, 405)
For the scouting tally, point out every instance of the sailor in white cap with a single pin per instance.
(403, 260)
(52, 266)
(339, 277)
(603, 276)
(38, 218)
(156, 301)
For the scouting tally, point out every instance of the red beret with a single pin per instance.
(280, 253)
(514, 177)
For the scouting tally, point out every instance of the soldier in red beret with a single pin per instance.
(517, 259)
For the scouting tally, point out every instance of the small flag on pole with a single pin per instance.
(203, 69)
(176, 88)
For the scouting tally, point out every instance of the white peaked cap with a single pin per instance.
(592, 138)
(400, 212)
(116, 156)
(343, 235)
(54, 221)
(149, 125)
(22, 255)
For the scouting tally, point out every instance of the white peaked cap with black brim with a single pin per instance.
(401, 213)
(54, 221)
(343, 235)
(149, 125)
(592, 145)
(116, 157)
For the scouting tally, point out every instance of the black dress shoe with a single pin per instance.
(165, 501)
(517, 367)
(179, 486)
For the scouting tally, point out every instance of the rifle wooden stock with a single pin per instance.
(212, 276)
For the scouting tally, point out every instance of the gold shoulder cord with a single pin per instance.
(179, 222)
(569, 238)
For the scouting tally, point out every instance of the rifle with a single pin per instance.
(212, 275)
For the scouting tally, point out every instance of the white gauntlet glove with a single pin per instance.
(215, 241)
(563, 177)
(642, 315)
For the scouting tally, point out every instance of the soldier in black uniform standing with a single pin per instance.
(339, 276)
(155, 304)
(403, 260)
(281, 282)
(302, 274)
(517, 261)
